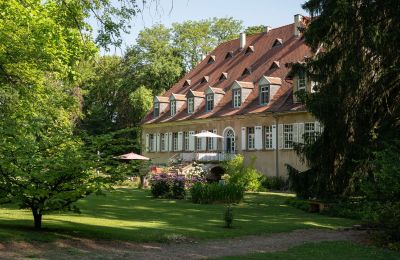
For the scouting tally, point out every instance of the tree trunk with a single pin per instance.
(141, 184)
(37, 217)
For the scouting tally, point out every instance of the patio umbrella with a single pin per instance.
(207, 134)
(132, 156)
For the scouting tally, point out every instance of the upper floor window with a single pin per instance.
(173, 107)
(309, 132)
(175, 141)
(301, 83)
(156, 110)
(237, 99)
(210, 102)
(190, 105)
(210, 142)
(268, 137)
(287, 136)
(264, 94)
(152, 141)
(250, 138)
(199, 143)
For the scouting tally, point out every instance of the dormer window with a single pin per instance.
(249, 49)
(204, 79)
(229, 55)
(237, 97)
(264, 94)
(277, 42)
(209, 102)
(156, 109)
(190, 105)
(301, 82)
(223, 76)
(211, 59)
(247, 71)
(172, 105)
(274, 65)
(186, 83)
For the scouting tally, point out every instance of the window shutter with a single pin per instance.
(215, 140)
(203, 142)
(295, 133)
(273, 136)
(258, 137)
(243, 138)
(147, 142)
(180, 141)
(158, 144)
(301, 132)
(280, 136)
(170, 148)
(191, 141)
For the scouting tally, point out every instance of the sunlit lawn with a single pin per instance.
(131, 214)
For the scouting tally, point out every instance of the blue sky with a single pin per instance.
(252, 12)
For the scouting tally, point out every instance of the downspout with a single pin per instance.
(276, 145)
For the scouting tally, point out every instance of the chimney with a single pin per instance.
(268, 28)
(297, 24)
(242, 40)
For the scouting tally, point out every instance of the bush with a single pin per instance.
(274, 183)
(298, 203)
(164, 186)
(242, 175)
(210, 193)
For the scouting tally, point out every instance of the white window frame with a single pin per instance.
(186, 141)
(264, 90)
(156, 109)
(174, 141)
(237, 97)
(301, 81)
(209, 102)
(190, 105)
(251, 138)
(309, 135)
(210, 142)
(268, 137)
(199, 143)
(288, 136)
(172, 105)
(162, 143)
(152, 142)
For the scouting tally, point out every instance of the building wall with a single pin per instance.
(265, 159)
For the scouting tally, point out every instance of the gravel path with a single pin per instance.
(95, 249)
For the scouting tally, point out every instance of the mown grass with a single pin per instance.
(324, 250)
(132, 214)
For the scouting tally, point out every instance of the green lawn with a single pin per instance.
(131, 214)
(325, 250)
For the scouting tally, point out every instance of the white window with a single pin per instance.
(309, 132)
(156, 110)
(173, 107)
(287, 136)
(250, 138)
(186, 141)
(175, 141)
(237, 98)
(190, 105)
(301, 82)
(198, 143)
(210, 142)
(210, 102)
(152, 143)
(162, 142)
(268, 137)
(264, 94)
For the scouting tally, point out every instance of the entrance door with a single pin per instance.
(230, 141)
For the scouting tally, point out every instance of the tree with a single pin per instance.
(254, 29)
(141, 100)
(43, 165)
(357, 96)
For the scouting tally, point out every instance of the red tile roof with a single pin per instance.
(293, 49)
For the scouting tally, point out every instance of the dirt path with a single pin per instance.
(95, 249)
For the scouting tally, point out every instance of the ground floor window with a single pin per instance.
(186, 141)
(268, 137)
(198, 143)
(210, 142)
(250, 138)
(162, 142)
(152, 140)
(288, 136)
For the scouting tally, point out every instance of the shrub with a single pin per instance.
(241, 174)
(274, 183)
(210, 193)
(298, 203)
(228, 216)
(164, 186)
